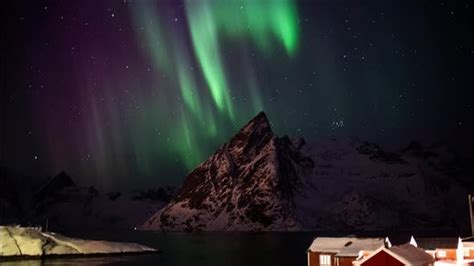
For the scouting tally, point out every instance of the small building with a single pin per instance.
(448, 251)
(442, 248)
(353, 251)
(468, 247)
(397, 256)
(341, 251)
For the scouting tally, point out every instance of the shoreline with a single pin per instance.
(76, 256)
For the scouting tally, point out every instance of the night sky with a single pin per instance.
(136, 93)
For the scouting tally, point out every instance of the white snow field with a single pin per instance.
(32, 242)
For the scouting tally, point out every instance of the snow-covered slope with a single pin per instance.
(358, 185)
(238, 188)
(29, 241)
(258, 181)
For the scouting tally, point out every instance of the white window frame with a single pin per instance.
(467, 252)
(325, 260)
(441, 254)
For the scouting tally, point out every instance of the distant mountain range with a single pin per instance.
(62, 205)
(258, 181)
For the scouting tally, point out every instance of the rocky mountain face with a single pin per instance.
(260, 182)
(62, 205)
(245, 184)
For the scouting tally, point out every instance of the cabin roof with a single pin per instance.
(407, 254)
(412, 254)
(345, 246)
(468, 239)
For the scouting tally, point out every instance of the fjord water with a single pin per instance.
(206, 249)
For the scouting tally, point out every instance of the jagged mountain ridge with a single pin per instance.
(223, 193)
(260, 182)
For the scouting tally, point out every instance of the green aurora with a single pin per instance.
(208, 112)
(138, 92)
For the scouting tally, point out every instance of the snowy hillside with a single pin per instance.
(21, 241)
(258, 181)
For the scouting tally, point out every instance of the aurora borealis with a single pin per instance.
(136, 92)
(197, 68)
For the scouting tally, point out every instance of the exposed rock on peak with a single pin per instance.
(259, 123)
(237, 188)
(255, 134)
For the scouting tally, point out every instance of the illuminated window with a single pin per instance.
(466, 252)
(324, 260)
(441, 253)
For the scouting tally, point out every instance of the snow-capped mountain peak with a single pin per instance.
(258, 181)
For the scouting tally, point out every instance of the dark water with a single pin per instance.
(206, 249)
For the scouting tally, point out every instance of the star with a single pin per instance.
(198, 75)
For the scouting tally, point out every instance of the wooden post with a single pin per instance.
(471, 214)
